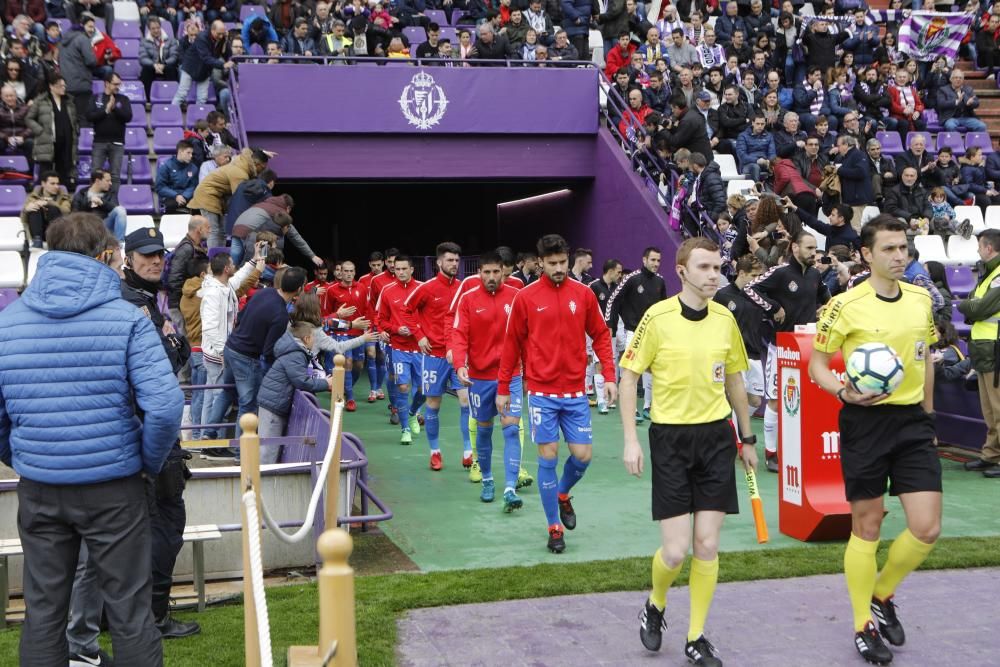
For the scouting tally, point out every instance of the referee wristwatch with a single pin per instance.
(748, 439)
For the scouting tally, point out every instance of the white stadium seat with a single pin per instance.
(138, 222)
(174, 228)
(736, 187)
(931, 249)
(961, 251)
(820, 238)
(992, 217)
(973, 214)
(126, 11)
(868, 213)
(11, 269)
(727, 164)
(33, 258)
(11, 234)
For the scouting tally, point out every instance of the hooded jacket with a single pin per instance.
(290, 371)
(191, 310)
(222, 183)
(68, 415)
(77, 61)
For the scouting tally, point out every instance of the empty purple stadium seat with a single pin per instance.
(168, 29)
(86, 144)
(12, 199)
(456, 15)
(7, 297)
(162, 92)
(415, 35)
(958, 319)
(246, 11)
(15, 163)
(953, 140)
(128, 69)
(165, 139)
(981, 139)
(166, 115)
(128, 47)
(931, 118)
(142, 173)
(97, 87)
(135, 141)
(256, 50)
(99, 24)
(126, 30)
(450, 34)
(961, 280)
(134, 89)
(138, 115)
(137, 199)
(436, 16)
(891, 143)
(64, 25)
(925, 135)
(198, 111)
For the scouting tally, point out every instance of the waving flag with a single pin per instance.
(927, 35)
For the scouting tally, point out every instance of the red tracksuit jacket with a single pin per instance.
(478, 330)
(338, 296)
(547, 330)
(375, 287)
(390, 314)
(427, 311)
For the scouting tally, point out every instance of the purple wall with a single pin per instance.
(422, 100)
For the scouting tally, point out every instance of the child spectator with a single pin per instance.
(942, 213)
(950, 364)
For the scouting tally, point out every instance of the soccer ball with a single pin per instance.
(874, 368)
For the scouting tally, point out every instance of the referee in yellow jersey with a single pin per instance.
(884, 439)
(694, 350)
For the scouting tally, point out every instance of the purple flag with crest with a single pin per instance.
(927, 35)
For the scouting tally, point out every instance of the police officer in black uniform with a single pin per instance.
(144, 260)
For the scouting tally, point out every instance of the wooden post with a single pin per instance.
(336, 606)
(333, 476)
(249, 478)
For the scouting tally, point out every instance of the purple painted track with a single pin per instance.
(948, 616)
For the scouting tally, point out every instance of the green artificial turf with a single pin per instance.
(382, 599)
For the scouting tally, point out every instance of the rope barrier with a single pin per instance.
(307, 523)
(257, 579)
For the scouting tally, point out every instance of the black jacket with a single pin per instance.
(109, 127)
(804, 164)
(603, 291)
(733, 119)
(908, 159)
(786, 286)
(180, 269)
(81, 202)
(634, 295)
(906, 203)
(142, 295)
(690, 133)
(856, 179)
(822, 47)
(711, 190)
(749, 318)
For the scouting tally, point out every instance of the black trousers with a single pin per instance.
(148, 75)
(38, 221)
(167, 525)
(113, 518)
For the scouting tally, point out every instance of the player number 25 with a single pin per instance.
(430, 377)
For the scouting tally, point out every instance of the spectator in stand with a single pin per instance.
(755, 149)
(620, 56)
(810, 161)
(226, 11)
(561, 49)
(112, 453)
(811, 98)
(158, 55)
(821, 44)
(680, 53)
(24, 84)
(946, 174)
(100, 200)
(190, 10)
(907, 200)
(321, 22)
(271, 215)
(261, 324)
(44, 205)
(15, 134)
(771, 110)
(788, 182)
(220, 156)
(739, 49)
(686, 129)
(110, 113)
(491, 46)
(576, 23)
(973, 173)
(710, 53)
(77, 63)
(32, 10)
(773, 84)
(657, 95)
(367, 39)
(259, 31)
(873, 102)
(221, 184)
(190, 309)
(709, 189)
(250, 192)
(106, 52)
(198, 60)
(652, 50)
(839, 230)
(165, 10)
(53, 123)
(905, 104)
(883, 170)
(855, 172)
(956, 105)
(298, 42)
(840, 95)
(538, 19)
(987, 50)
(734, 118)
(335, 43)
(176, 179)
(631, 124)
(429, 49)
(189, 249)
(863, 39)
(730, 23)
(790, 134)
(516, 29)
(916, 156)
(613, 21)
(24, 31)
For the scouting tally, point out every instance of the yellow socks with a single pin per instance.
(704, 575)
(663, 576)
(860, 571)
(905, 555)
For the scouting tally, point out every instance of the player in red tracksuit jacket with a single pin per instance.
(380, 265)
(476, 342)
(404, 356)
(547, 333)
(427, 312)
(348, 295)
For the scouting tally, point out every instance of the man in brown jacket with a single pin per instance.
(45, 203)
(211, 195)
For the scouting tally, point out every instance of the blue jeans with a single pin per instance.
(245, 373)
(213, 375)
(236, 251)
(197, 397)
(752, 171)
(964, 125)
(952, 198)
(115, 222)
(184, 87)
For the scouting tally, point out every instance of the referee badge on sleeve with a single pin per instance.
(719, 371)
(920, 350)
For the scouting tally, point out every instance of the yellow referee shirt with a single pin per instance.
(906, 324)
(689, 354)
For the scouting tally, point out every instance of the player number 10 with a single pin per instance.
(475, 399)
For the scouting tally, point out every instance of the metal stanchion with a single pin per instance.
(249, 478)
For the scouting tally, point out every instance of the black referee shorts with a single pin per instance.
(887, 443)
(693, 468)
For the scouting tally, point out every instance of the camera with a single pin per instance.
(826, 259)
